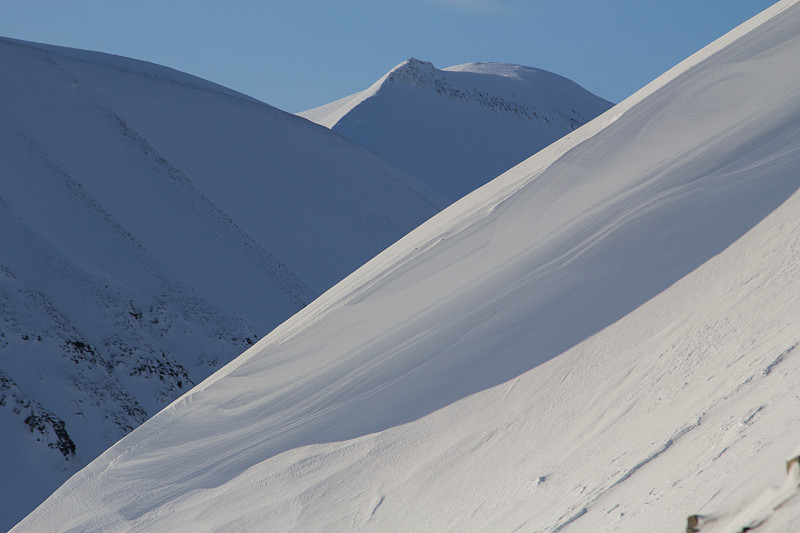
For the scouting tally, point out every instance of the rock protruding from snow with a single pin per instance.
(417, 72)
(755, 513)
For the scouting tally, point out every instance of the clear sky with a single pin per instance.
(298, 54)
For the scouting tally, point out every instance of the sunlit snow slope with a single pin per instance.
(459, 127)
(152, 226)
(605, 338)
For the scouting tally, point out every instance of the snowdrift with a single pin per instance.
(604, 338)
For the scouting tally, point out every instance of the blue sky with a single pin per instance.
(298, 54)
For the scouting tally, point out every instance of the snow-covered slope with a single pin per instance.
(459, 127)
(602, 339)
(153, 225)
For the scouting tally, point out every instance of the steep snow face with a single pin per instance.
(154, 225)
(459, 127)
(602, 339)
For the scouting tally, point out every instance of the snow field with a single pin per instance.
(602, 339)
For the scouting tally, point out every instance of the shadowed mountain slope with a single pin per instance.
(154, 225)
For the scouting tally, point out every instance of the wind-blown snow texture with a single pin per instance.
(152, 226)
(458, 128)
(602, 339)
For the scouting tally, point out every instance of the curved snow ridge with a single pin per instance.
(132, 66)
(477, 208)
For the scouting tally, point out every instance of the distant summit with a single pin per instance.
(459, 127)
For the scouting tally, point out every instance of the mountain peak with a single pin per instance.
(414, 60)
(456, 128)
(416, 72)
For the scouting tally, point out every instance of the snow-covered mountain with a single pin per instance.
(153, 226)
(604, 338)
(458, 128)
